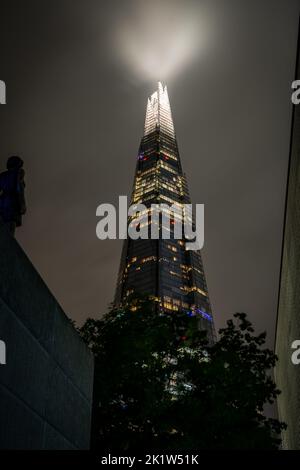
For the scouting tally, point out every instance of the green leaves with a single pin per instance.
(158, 384)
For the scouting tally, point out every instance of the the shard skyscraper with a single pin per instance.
(162, 268)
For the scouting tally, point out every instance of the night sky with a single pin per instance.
(78, 74)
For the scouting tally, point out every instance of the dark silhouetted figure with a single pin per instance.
(12, 199)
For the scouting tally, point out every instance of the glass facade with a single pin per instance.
(162, 268)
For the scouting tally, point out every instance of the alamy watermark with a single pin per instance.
(296, 94)
(2, 92)
(157, 221)
(2, 353)
(295, 357)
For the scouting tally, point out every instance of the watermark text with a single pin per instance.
(2, 92)
(159, 221)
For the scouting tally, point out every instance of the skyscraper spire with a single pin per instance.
(158, 113)
(163, 268)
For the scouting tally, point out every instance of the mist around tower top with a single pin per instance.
(163, 38)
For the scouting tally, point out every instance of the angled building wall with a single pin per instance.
(46, 384)
(287, 374)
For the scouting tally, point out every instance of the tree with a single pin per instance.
(160, 385)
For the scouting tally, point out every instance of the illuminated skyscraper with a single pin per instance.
(162, 268)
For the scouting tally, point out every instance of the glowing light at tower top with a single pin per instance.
(160, 39)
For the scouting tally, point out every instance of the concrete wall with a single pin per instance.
(46, 384)
(287, 374)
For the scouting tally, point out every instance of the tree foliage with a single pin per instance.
(160, 385)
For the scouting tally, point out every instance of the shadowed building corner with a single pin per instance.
(47, 382)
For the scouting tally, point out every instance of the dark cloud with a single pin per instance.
(75, 113)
